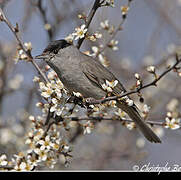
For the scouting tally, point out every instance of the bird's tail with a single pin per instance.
(135, 116)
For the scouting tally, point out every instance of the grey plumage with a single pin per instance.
(84, 74)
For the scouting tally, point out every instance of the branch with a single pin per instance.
(99, 119)
(44, 17)
(116, 30)
(153, 83)
(112, 119)
(96, 5)
(27, 52)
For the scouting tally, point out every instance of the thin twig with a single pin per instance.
(27, 52)
(48, 128)
(44, 17)
(99, 118)
(119, 27)
(89, 19)
(49, 116)
(153, 83)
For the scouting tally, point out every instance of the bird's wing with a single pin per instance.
(98, 74)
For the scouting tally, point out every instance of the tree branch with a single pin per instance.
(44, 17)
(153, 83)
(99, 118)
(119, 27)
(96, 5)
(27, 52)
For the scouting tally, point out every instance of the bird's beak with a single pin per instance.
(42, 56)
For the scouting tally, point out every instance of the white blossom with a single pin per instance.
(45, 143)
(137, 76)
(88, 127)
(95, 36)
(47, 26)
(28, 45)
(105, 24)
(129, 102)
(112, 44)
(151, 69)
(51, 75)
(120, 113)
(110, 2)
(56, 107)
(124, 10)
(80, 32)
(146, 108)
(130, 125)
(109, 85)
(3, 160)
(172, 123)
(77, 94)
(43, 154)
(36, 79)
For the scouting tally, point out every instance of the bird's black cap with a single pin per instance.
(56, 46)
(53, 47)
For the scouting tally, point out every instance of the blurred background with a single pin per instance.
(152, 31)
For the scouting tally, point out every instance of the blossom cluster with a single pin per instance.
(82, 32)
(109, 85)
(124, 11)
(105, 25)
(53, 92)
(172, 122)
(20, 54)
(45, 148)
(108, 3)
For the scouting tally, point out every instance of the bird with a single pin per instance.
(86, 75)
